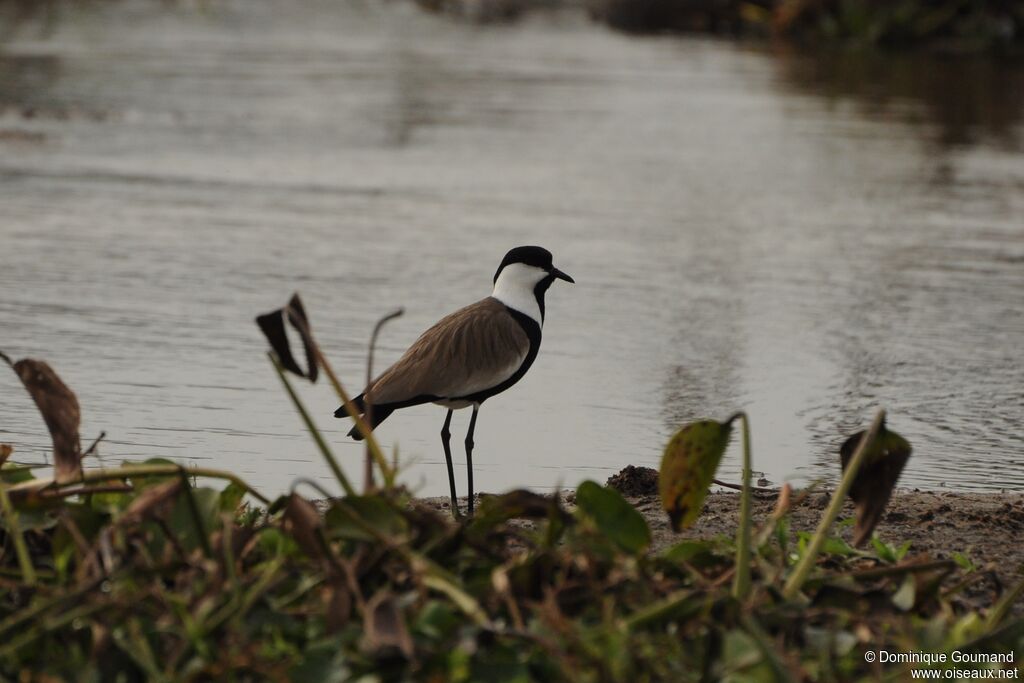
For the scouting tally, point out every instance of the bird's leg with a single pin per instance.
(446, 441)
(469, 454)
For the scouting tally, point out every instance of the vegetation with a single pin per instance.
(947, 25)
(150, 571)
(958, 25)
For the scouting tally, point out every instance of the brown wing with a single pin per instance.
(473, 349)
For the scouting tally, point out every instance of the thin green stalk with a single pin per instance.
(680, 604)
(35, 611)
(137, 647)
(314, 432)
(741, 582)
(434, 576)
(768, 649)
(227, 522)
(1002, 608)
(28, 571)
(197, 519)
(463, 600)
(132, 472)
(48, 625)
(386, 471)
(803, 569)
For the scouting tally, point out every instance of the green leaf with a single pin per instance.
(964, 562)
(883, 551)
(110, 502)
(346, 519)
(32, 519)
(782, 535)
(182, 522)
(889, 553)
(613, 516)
(743, 655)
(231, 497)
(274, 543)
(699, 554)
(688, 466)
(501, 665)
(831, 545)
(321, 663)
(516, 504)
(436, 620)
(11, 473)
(86, 523)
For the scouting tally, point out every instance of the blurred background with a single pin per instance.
(804, 209)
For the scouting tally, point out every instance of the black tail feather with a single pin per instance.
(357, 402)
(380, 413)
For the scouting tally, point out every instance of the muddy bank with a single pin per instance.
(986, 528)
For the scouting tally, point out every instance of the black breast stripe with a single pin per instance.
(532, 329)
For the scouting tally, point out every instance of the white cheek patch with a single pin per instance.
(515, 286)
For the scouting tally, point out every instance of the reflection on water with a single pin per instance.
(803, 238)
(965, 100)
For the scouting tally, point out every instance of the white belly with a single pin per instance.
(453, 405)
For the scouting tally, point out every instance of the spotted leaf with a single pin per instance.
(688, 466)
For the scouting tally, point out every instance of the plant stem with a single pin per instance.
(314, 432)
(136, 471)
(368, 403)
(680, 604)
(28, 571)
(197, 519)
(741, 582)
(364, 429)
(1002, 608)
(803, 569)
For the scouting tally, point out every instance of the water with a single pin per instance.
(803, 238)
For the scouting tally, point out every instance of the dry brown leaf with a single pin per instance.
(876, 480)
(304, 522)
(59, 408)
(339, 605)
(385, 626)
(273, 326)
(149, 501)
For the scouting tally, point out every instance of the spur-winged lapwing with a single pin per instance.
(470, 355)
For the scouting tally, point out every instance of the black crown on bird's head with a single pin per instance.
(538, 257)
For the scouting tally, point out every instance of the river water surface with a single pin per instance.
(803, 238)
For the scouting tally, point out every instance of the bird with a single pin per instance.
(469, 355)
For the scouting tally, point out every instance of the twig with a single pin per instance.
(91, 449)
(86, 490)
(895, 570)
(759, 490)
(367, 399)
